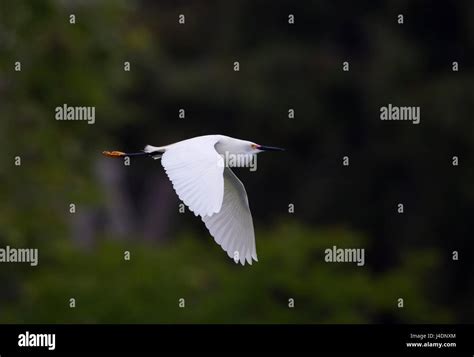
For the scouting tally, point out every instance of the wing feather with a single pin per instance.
(232, 227)
(195, 169)
(213, 192)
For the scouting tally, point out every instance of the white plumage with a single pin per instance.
(208, 187)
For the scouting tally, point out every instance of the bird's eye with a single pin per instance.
(254, 146)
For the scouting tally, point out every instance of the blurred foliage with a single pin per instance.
(107, 288)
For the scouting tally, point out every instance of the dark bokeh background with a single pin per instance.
(133, 208)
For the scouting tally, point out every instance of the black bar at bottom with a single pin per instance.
(416, 339)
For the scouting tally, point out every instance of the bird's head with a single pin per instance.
(257, 148)
(244, 147)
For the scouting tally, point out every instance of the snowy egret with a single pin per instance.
(199, 170)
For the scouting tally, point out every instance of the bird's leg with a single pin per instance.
(113, 153)
(123, 154)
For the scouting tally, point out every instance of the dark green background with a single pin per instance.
(282, 66)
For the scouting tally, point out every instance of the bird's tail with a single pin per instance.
(155, 151)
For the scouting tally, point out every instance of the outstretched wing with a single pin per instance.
(232, 227)
(196, 172)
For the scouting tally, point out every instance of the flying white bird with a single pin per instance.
(202, 179)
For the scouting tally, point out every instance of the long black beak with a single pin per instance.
(269, 148)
